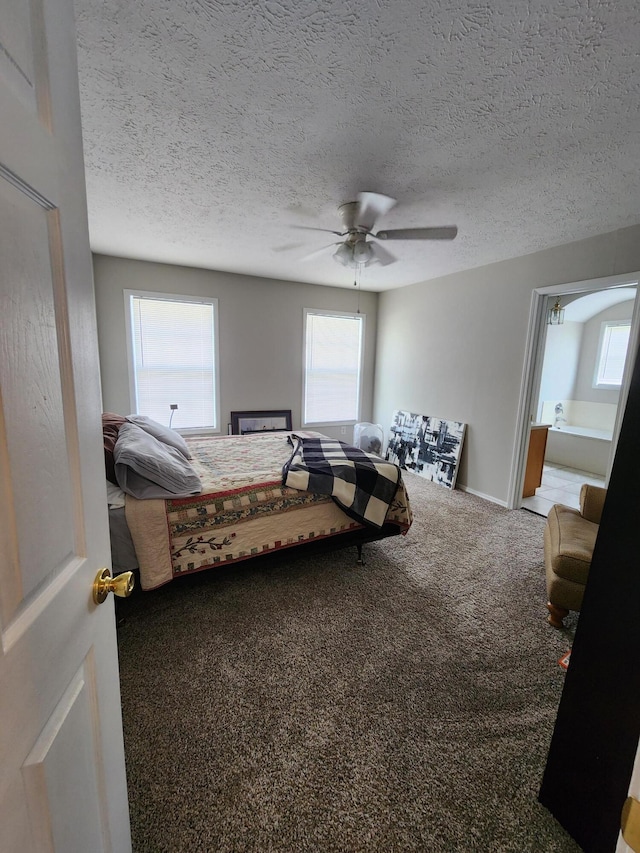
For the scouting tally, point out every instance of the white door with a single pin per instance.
(62, 778)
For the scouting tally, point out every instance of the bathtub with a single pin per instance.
(579, 447)
(571, 429)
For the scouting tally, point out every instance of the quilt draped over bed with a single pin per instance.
(244, 510)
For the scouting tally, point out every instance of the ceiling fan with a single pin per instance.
(360, 246)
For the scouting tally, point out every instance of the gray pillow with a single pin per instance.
(162, 433)
(148, 468)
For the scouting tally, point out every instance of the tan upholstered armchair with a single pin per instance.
(569, 539)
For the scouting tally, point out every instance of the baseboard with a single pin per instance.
(489, 498)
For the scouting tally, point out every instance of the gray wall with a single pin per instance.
(454, 347)
(260, 328)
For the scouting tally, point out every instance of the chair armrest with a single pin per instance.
(591, 502)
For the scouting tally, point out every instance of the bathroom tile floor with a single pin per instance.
(560, 485)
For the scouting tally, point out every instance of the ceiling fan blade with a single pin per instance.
(381, 255)
(318, 252)
(288, 247)
(444, 233)
(309, 228)
(370, 207)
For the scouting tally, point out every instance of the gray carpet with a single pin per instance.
(311, 704)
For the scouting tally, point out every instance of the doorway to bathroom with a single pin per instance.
(565, 393)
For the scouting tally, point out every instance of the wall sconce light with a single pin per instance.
(555, 315)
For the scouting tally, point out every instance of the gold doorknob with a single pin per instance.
(121, 585)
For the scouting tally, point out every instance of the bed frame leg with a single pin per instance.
(360, 560)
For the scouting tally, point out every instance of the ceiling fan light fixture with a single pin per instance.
(354, 255)
(362, 253)
(344, 255)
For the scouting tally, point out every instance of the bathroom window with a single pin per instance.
(612, 352)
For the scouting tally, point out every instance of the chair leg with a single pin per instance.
(556, 615)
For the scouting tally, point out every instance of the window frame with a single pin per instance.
(362, 318)
(174, 297)
(608, 386)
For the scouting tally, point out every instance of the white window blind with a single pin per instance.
(333, 364)
(173, 352)
(613, 352)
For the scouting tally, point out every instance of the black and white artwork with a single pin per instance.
(429, 446)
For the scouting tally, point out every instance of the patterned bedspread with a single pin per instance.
(243, 510)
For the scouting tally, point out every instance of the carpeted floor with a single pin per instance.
(311, 704)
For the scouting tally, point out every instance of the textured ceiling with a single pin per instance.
(213, 126)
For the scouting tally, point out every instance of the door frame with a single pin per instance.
(532, 369)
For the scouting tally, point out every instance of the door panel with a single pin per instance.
(34, 421)
(67, 817)
(17, 58)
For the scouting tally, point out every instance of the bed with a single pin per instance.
(244, 510)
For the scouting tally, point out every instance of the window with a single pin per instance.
(333, 367)
(614, 340)
(172, 342)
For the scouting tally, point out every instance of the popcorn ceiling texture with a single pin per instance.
(212, 126)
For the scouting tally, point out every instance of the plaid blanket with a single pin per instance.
(363, 485)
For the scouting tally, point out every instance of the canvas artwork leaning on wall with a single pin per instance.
(429, 446)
